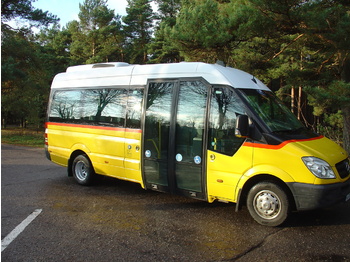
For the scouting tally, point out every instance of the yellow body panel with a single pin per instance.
(108, 148)
(132, 162)
(116, 152)
(227, 175)
(224, 172)
(287, 157)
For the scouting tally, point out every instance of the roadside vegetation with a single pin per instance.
(23, 137)
(300, 49)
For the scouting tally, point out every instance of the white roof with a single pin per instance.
(124, 74)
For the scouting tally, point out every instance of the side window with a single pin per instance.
(134, 108)
(224, 108)
(105, 106)
(65, 106)
(89, 106)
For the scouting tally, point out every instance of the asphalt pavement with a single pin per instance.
(119, 221)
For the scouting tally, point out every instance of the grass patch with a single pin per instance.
(23, 137)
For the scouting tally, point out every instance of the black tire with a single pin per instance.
(82, 170)
(268, 204)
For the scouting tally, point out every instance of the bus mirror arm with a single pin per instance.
(242, 126)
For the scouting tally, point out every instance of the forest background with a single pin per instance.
(299, 48)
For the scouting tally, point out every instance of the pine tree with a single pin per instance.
(161, 48)
(23, 9)
(97, 37)
(24, 78)
(201, 31)
(299, 44)
(55, 43)
(138, 29)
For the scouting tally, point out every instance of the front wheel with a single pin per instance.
(268, 204)
(82, 170)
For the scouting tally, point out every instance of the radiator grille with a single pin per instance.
(343, 168)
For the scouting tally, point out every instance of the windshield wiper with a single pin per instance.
(294, 130)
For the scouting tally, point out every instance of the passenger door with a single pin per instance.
(227, 159)
(174, 138)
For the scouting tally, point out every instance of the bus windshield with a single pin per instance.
(272, 111)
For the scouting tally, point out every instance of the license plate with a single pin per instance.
(347, 197)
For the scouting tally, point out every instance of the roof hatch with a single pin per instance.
(92, 66)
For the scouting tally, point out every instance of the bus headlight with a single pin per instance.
(318, 167)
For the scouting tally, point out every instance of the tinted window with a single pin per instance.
(158, 117)
(134, 108)
(224, 108)
(89, 106)
(191, 114)
(272, 111)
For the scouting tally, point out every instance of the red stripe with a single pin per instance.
(95, 127)
(257, 145)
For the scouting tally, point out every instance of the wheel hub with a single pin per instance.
(267, 204)
(80, 170)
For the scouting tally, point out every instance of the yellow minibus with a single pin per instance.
(200, 130)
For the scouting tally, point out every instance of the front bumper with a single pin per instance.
(309, 196)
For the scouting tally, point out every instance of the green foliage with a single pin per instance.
(202, 31)
(55, 44)
(24, 80)
(11, 9)
(297, 43)
(334, 95)
(97, 37)
(23, 137)
(161, 47)
(332, 102)
(332, 126)
(138, 30)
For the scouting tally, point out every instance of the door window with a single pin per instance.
(190, 121)
(156, 134)
(175, 120)
(224, 108)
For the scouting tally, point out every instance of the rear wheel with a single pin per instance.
(82, 170)
(268, 204)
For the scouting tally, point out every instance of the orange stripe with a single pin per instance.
(95, 127)
(256, 145)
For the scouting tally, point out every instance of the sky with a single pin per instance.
(67, 10)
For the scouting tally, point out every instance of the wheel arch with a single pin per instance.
(252, 181)
(73, 155)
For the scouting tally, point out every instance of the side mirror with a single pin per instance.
(242, 126)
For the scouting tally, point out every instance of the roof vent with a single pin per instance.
(222, 63)
(92, 66)
(102, 65)
(117, 64)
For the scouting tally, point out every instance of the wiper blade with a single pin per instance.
(295, 130)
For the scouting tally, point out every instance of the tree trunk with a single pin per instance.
(4, 123)
(292, 101)
(346, 130)
(346, 108)
(299, 102)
